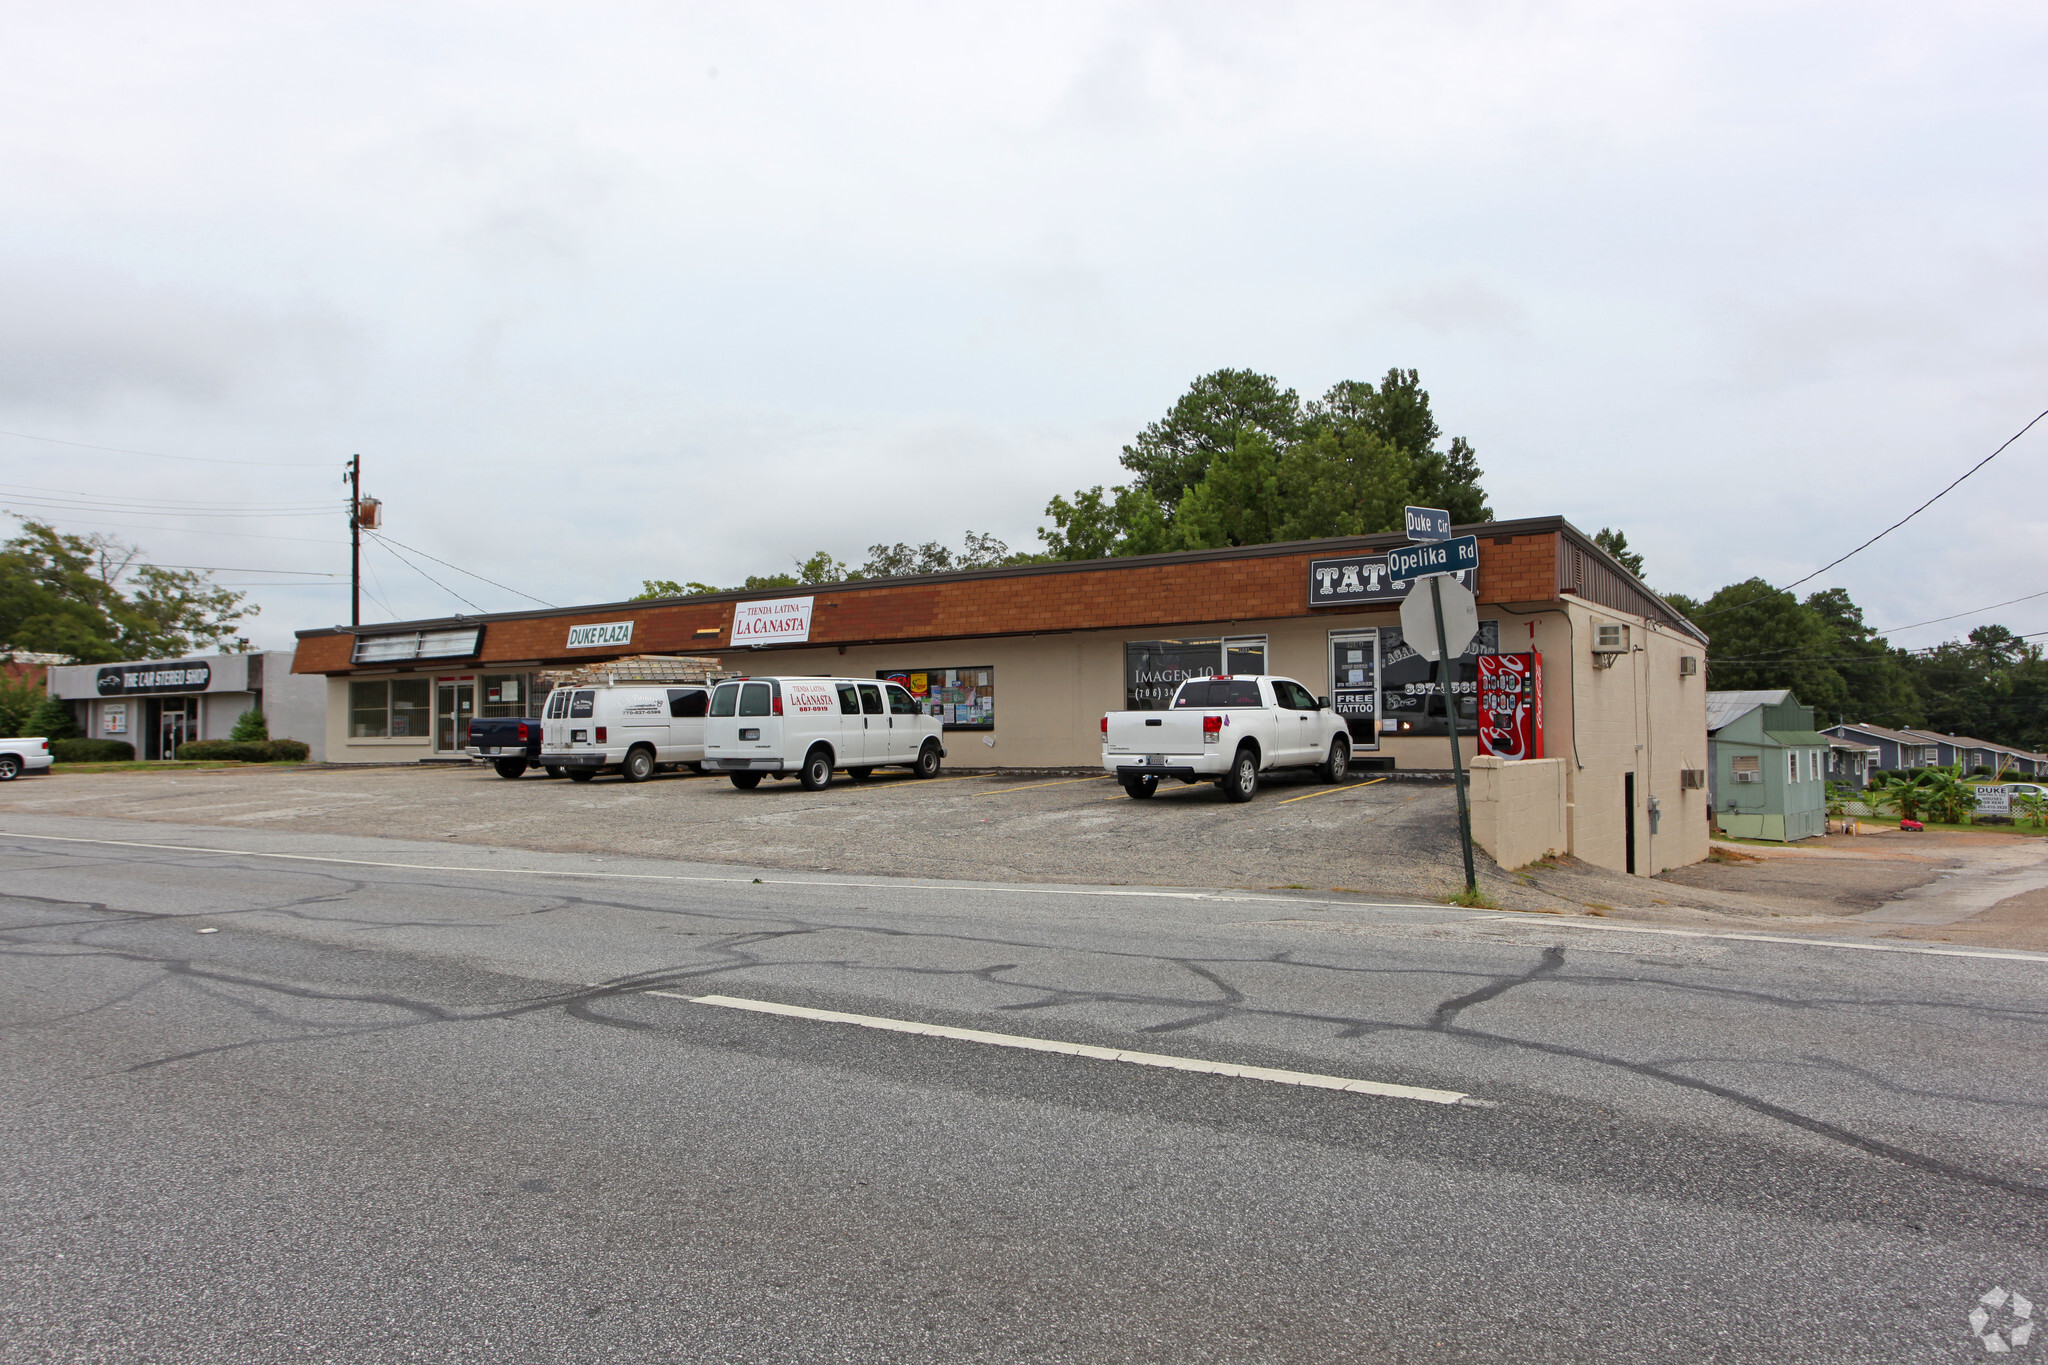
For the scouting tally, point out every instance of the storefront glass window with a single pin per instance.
(369, 709)
(1411, 695)
(394, 708)
(1155, 669)
(962, 698)
(505, 694)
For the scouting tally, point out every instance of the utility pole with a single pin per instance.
(354, 479)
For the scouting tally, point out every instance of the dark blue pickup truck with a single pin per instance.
(510, 744)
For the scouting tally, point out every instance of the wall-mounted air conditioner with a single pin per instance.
(1610, 640)
(1688, 665)
(1692, 779)
(1748, 768)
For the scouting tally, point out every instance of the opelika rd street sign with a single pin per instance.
(1444, 556)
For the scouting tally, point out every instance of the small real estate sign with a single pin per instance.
(601, 635)
(781, 621)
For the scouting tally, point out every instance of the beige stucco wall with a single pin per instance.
(1638, 716)
(1518, 808)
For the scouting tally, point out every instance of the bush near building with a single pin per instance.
(92, 751)
(250, 726)
(253, 751)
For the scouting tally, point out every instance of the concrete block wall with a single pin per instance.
(1518, 808)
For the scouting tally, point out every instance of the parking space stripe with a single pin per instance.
(1310, 1079)
(1348, 786)
(1068, 782)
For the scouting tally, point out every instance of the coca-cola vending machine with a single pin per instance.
(1511, 705)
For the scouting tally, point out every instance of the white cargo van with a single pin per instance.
(632, 729)
(809, 726)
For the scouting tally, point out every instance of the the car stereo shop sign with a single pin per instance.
(1355, 579)
(128, 680)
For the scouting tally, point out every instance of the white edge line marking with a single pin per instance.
(954, 888)
(1101, 1054)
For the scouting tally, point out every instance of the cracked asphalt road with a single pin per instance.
(419, 1102)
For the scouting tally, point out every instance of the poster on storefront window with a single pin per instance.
(1411, 693)
(114, 718)
(1355, 684)
(962, 698)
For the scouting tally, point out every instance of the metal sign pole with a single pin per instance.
(1448, 670)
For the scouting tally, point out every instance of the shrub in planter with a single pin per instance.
(92, 751)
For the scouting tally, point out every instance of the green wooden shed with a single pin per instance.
(1767, 766)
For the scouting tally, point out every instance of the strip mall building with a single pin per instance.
(1022, 663)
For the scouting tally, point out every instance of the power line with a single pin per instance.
(459, 569)
(159, 455)
(1959, 615)
(1889, 529)
(424, 574)
(187, 530)
(219, 568)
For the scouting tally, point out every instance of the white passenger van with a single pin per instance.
(809, 726)
(632, 729)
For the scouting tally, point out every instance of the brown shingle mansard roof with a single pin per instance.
(1583, 569)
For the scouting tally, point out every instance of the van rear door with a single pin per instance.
(760, 729)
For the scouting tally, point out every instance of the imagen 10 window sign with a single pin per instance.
(1443, 556)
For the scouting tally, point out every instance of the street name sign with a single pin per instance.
(1429, 523)
(1461, 619)
(1443, 556)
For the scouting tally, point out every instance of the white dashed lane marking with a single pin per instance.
(1310, 1079)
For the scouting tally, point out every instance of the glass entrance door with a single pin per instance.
(1355, 684)
(454, 704)
(177, 722)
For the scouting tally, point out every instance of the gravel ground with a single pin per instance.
(1389, 839)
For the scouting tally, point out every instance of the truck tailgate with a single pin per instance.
(1155, 732)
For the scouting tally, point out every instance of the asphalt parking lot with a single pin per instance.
(1384, 836)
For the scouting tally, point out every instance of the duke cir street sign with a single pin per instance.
(1429, 523)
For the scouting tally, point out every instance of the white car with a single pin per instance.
(634, 730)
(1226, 730)
(18, 756)
(810, 726)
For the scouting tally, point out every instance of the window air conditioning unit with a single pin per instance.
(1748, 768)
(1692, 779)
(1688, 665)
(1609, 640)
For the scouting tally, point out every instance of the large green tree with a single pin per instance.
(1238, 460)
(90, 598)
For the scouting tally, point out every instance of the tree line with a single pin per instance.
(1237, 460)
(91, 599)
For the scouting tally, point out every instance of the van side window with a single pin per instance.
(849, 700)
(687, 704)
(580, 704)
(901, 703)
(725, 699)
(871, 699)
(754, 699)
(558, 705)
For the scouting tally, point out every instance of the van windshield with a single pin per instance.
(724, 699)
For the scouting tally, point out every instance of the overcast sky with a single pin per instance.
(606, 292)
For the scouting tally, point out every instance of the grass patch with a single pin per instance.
(1292, 886)
(1472, 898)
(158, 765)
(1729, 855)
(1596, 908)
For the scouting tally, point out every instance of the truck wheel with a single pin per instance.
(510, 767)
(554, 770)
(1243, 782)
(746, 782)
(860, 774)
(10, 767)
(582, 774)
(1141, 788)
(1339, 762)
(927, 764)
(817, 770)
(639, 765)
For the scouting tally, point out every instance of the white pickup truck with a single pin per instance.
(1226, 730)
